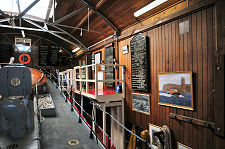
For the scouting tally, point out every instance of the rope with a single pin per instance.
(166, 137)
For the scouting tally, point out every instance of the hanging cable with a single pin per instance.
(88, 19)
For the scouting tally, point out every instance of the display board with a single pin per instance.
(53, 51)
(50, 56)
(109, 70)
(139, 63)
(43, 55)
(89, 62)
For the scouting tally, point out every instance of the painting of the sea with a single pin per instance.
(175, 90)
(141, 103)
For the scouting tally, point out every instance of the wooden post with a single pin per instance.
(75, 78)
(96, 80)
(220, 27)
(80, 73)
(219, 96)
(123, 83)
(104, 123)
(87, 78)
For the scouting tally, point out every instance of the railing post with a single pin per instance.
(36, 87)
(104, 123)
(75, 78)
(66, 96)
(96, 80)
(71, 98)
(80, 73)
(87, 78)
(92, 119)
(108, 142)
(80, 121)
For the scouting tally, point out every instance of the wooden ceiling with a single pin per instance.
(118, 12)
(106, 17)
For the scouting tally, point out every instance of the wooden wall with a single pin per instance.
(169, 51)
(173, 52)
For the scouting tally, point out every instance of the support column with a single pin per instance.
(104, 123)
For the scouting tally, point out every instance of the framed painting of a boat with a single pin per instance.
(175, 90)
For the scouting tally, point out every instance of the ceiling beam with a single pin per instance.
(102, 16)
(66, 26)
(70, 15)
(4, 20)
(49, 10)
(3, 14)
(99, 4)
(37, 25)
(28, 8)
(18, 5)
(27, 28)
(80, 43)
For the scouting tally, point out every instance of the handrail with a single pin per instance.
(77, 67)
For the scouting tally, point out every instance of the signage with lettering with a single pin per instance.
(139, 63)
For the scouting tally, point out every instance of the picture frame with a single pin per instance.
(182, 146)
(141, 103)
(153, 139)
(175, 89)
(125, 49)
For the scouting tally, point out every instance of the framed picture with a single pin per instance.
(182, 146)
(125, 49)
(175, 90)
(141, 103)
(23, 45)
(153, 139)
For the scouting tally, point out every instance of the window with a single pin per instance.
(39, 10)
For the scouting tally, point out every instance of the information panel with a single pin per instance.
(109, 70)
(43, 55)
(54, 50)
(139, 63)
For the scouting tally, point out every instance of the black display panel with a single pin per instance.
(139, 63)
(89, 62)
(54, 50)
(43, 55)
(109, 70)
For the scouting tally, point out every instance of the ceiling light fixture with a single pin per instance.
(149, 7)
(81, 32)
(23, 34)
(76, 49)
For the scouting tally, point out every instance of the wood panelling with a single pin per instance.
(172, 52)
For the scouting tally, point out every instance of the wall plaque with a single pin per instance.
(109, 70)
(43, 55)
(139, 63)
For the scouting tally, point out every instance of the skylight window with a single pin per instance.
(39, 10)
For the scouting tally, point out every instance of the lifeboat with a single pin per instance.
(38, 77)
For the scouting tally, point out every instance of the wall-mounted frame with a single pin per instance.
(182, 146)
(141, 103)
(140, 70)
(175, 89)
(125, 49)
(153, 139)
(23, 45)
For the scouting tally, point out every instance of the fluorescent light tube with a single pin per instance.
(149, 7)
(76, 49)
